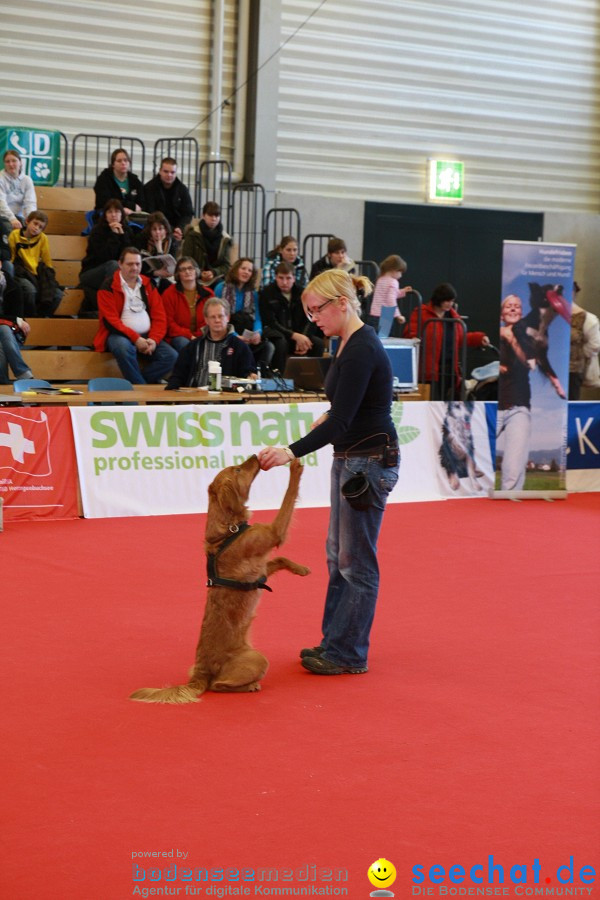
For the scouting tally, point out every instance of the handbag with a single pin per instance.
(48, 287)
(20, 335)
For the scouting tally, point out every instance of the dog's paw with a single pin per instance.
(303, 570)
(296, 468)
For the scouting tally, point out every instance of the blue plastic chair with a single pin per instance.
(110, 384)
(29, 384)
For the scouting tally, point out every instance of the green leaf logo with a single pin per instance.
(406, 433)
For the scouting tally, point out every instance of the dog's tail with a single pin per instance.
(179, 693)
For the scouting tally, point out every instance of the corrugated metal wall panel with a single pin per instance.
(141, 69)
(369, 91)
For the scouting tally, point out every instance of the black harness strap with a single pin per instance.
(214, 580)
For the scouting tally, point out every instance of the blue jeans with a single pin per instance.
(159, 363)
(515, 425)
(179, 342)
(11, 353)
(352, 562)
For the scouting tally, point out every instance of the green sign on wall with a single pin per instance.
(40, 151)
(446, 180)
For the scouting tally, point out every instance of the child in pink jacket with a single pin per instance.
(387, 291)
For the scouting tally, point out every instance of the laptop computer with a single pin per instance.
(403, 354)
(307, 372)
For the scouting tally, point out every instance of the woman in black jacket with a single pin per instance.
(118, 183)
(106, 241)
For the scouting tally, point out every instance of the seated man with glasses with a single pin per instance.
(133, 323)
(217, 341)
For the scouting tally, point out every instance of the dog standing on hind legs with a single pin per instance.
(238, 567)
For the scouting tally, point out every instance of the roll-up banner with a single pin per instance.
(535, 331)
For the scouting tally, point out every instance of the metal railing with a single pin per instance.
(214, 183)
(443, 358)
(367, 267)
(279, 223)
(64, 159)
(90, 154)
(247, 221)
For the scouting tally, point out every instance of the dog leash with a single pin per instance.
(214, 580)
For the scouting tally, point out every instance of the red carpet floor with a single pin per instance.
(475, 733)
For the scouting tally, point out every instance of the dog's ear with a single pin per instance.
(228, 500)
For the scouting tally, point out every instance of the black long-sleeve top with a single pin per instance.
(359, 388)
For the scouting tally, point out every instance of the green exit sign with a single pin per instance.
(446, 180)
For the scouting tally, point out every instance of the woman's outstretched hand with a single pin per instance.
(272, 456)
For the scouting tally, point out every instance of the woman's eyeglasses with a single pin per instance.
(311, 313)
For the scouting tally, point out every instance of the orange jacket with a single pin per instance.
(179, 320)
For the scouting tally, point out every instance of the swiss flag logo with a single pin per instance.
(25, 444)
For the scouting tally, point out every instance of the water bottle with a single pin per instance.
(214, 375)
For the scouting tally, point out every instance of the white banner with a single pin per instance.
(159, 460)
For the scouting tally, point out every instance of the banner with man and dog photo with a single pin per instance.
(535, 330)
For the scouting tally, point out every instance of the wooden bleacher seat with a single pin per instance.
(66, 246)
(65, 198)
(66, 208)
(73, 357)
(70, 303)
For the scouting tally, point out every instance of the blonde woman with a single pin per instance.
(366, 458)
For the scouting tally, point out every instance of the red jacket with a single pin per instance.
(474, 339)
(110, 307)
(179, 320)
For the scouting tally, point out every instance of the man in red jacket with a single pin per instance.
(132, 323)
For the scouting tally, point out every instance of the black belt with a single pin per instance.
(373, 453)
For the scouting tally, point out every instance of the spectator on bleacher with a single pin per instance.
(133, 323)
(284, 321)
(387, 290)
(335, 258)
(117, 183)
(17, 193)
(155, 239)
(165, 193)
(5, 230)
(442, 343)
(286, 251)
(239, 289)
(106, 241)
(585, 346)
(217, 341)
(33, 267)
(13, 330)
(209, 245)
(184, 304)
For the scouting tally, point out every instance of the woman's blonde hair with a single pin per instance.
(334, 283)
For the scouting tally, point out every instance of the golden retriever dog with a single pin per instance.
(237, 554)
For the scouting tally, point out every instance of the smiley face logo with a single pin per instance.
(382, 873)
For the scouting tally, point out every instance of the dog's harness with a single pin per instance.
(214, 580)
